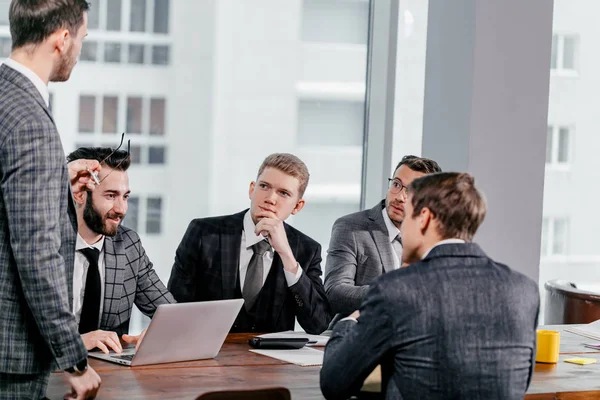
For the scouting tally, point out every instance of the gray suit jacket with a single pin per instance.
(456, 325)
(37, 236)
(359, 252)
(129, 279)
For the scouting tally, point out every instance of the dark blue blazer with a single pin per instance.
(456, 325)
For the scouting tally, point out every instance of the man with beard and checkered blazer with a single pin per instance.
(112, 271)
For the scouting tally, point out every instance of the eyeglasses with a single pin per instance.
(95, 174)
(396, 186)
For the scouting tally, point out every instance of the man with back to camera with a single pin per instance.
(37, 217)
(368, 243)
(254, 255)
(112, 271)
(454, 324)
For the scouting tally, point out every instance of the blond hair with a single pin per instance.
(290, 165)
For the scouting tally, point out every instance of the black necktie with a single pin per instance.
(90, 311)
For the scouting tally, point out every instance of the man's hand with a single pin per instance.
(355, 315)
(83, 386)
(272, 227)
(135, 339)
(80, 174)
(102, 340)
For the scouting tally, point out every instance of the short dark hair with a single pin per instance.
(419, 164)
(119, 160)
(288, 164)
(454, 201)
(32, 21)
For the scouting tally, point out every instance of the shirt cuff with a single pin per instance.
(348, 319)
(292, 279)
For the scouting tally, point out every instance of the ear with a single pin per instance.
(425, 218)
(81, 196)
(299, 206)
(60, 42)
(251, 189)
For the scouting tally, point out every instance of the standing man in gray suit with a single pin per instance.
(112, 271)
(37, 217)
(454, 324)
(368, 243)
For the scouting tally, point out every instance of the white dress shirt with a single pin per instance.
(441, 242)
(249, 238)
(392, 233)
(80, 275)
(32, 76)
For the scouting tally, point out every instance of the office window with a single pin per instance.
(112, 52)
(4, 6)
(89, 51)
(156, 155)
(136, 54)
(330, 123)
(113, 15)
(134, 115)
(136, 154)
(564, 52)
(160, 55)
(110, 113)
(558, 145)
(5, 47)
(157, 117)
(335, 21)
(87, 114)
(154, 215)
(137, 21)
(161, 16)
(93, 14)
(132, 216)
(554, 236)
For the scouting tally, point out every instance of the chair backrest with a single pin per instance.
(277, 393)
(565, 304)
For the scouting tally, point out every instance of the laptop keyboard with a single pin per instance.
(127, 357)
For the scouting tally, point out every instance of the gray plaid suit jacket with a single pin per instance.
(207, 267)
(37, 236)
(359, 252)
(129, 278)
(455, 325)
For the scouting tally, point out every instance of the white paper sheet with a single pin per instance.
(591, 330)
(304, 357)
(321, 340)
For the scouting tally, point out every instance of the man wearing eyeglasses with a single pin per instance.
(112, 271)
(368, 243)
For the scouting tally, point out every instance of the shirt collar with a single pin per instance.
(391, 228)
(249, 235)
(32, 76)
(82, 244)
(445, 241)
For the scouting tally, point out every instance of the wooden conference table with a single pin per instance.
(237, 368)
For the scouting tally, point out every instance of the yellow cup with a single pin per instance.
(548, 345)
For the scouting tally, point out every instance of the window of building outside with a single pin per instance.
(131, 218)
(257, 77)
(569, 247)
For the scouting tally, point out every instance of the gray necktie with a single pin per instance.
(397, 246)
(254, 274)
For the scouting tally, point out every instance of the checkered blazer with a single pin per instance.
(37, 236)
(207, 268)
(129, 278)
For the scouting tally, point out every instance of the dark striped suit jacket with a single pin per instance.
(207, 268)
(37, 236)
(129, 279)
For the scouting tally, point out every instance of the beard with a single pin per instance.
(63, 70)
(98, 223)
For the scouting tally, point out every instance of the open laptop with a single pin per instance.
(181, 332)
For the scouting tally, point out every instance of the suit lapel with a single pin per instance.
(381, 238)
(231, 241)
(115, 261)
